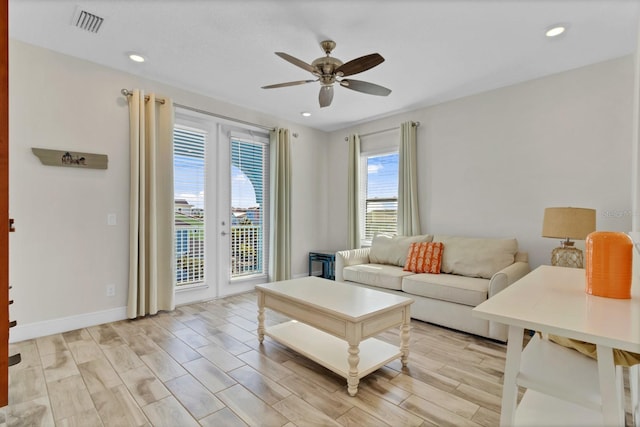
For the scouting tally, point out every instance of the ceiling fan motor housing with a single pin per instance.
(326, 65)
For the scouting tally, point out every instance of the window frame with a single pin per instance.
(362, 197)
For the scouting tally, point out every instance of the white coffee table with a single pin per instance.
(334, 324)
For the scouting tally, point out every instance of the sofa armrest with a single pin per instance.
(350, 257)
(507, 276)
(522, 256)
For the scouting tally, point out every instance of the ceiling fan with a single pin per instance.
(330, 70)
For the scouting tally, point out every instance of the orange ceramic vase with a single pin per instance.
(608, 265)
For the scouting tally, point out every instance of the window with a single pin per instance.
(249, 184)
(379, 195)
(189, 185)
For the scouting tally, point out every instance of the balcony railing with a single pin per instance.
(246, 252)
(189, 254)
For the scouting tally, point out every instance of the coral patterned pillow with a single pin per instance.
(424, 257)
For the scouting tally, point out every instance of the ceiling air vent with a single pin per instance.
(87, 21)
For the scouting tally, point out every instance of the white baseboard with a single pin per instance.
(65, 324)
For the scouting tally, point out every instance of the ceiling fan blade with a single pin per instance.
(365, 87)
(326, 96)
(299, 82)
(298, 62)
(359, 65)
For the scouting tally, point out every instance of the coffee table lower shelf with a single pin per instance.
(332, 352)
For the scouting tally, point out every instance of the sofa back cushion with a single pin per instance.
(393, 250)
(476, 257)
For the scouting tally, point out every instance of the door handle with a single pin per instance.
(223, 233)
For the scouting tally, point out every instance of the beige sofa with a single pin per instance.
(472, 270)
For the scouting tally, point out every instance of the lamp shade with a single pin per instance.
(568, 223)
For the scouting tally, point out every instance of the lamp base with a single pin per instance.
(567, 256)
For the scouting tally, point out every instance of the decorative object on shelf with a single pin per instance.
(609, 264)
(568, 223)
(71, 158)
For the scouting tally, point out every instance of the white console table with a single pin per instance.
(562, 385)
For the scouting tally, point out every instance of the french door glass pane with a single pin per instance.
(249, 172)
(189, 186)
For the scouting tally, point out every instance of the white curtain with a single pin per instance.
(353, 193)
(280, 146)
(408, 214)
(151, 223)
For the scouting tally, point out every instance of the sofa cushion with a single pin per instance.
(392, 250)
(380, 275)
(448, 287)
(424, 257)
(476, 257)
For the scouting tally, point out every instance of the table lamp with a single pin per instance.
(568, 223)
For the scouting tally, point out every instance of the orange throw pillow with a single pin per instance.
(424, 257)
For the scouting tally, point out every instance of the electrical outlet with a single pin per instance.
(111, 290)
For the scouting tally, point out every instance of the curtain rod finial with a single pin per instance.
(125, 92)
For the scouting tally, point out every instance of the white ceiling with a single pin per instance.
(434, 50)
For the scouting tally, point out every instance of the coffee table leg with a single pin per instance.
(405, 331)
(354, 359)
(260, 317)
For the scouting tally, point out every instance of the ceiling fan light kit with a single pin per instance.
(329, 70)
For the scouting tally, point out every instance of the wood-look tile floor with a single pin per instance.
(202, 365)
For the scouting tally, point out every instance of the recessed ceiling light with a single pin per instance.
(305, 114)
(136, 57)
(555, 31)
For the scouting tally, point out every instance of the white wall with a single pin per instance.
(63, 253)
(489, 164)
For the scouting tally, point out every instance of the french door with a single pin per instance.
(243, 209)
(221, 208)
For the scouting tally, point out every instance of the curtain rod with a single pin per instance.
(127, 93)
(416, 124)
